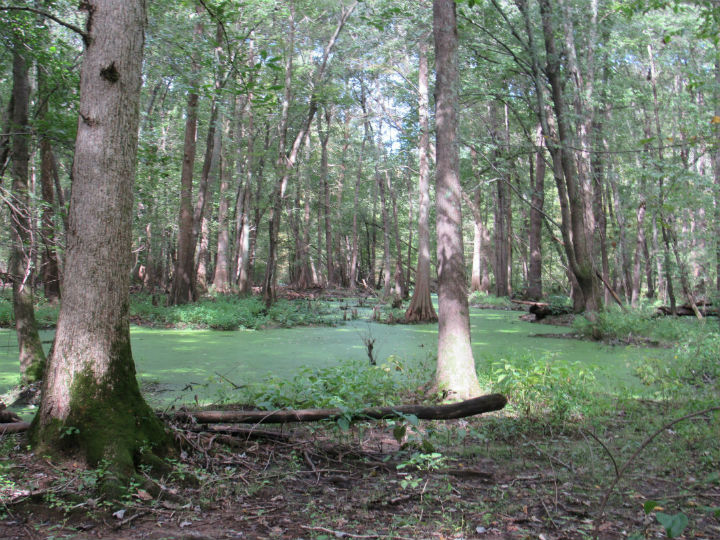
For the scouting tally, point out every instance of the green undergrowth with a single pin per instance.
(478, 298)
(227, 312)
(45, 314)
(641, 324)
(220, 312)
(350, 386)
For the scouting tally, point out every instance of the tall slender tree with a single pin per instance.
(455, 366)
(421, 308)
(32, 357)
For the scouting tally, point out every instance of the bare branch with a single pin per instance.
(50, 16)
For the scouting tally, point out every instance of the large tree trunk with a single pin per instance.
(221, 278)
(537, 201)
(455, 365)
(49, 267)
(421, 308)
(32, 357)
(387, 277)
(91, 403)
(324, 138)
(356, 194)
(570, 186)
(183, 284)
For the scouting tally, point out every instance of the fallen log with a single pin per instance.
(462, 409)
(14, 427)
(543, 309)
(706, 310)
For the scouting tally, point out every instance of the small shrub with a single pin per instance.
(352, 385)
(538, 387)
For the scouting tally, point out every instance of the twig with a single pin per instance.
(637, 452)
(342, 534)
(551, 457)
(548, 513)
(130, 519)
(607, 451)
(312, 465)
(224, 378)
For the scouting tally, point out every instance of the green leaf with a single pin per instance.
(674, 524)
(649, 506)
(343, 423)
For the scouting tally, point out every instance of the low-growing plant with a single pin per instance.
(350, 386)
(543, 386)
(641, 323)
(478, 298)
(228, 312)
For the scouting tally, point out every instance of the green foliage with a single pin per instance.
(349, 386)
(225, 312)
(45, 314)
(674, 524)
(693, 367)
(544, 386)
(478, 298)
(614, 324)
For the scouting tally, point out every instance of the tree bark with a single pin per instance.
(387, 277)
(400, 285)
(183, 284)
(221, 278)
(716, 165)
(324, 139)
(206, 188)
(569, 185)
(91, 403)
(421, 308)
(455, 365)
(49, 267)
(537, 201)
(32, 357)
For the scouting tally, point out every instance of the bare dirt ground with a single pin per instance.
(478, 481)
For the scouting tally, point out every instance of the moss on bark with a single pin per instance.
(108, 420)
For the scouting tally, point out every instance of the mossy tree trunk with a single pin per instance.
(32, 358)
(456, 367)
(421, 308)
(91, 404)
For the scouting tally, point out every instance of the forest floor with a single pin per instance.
(489, 477)
(541, 468)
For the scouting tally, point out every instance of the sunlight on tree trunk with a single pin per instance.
(456, 366)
